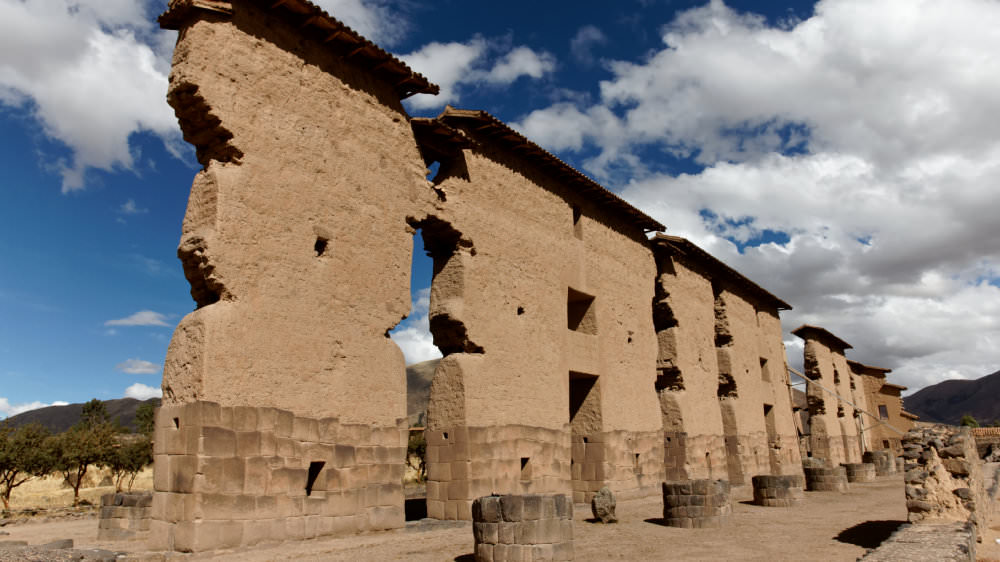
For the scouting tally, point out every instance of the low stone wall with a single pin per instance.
(884, 461)
(949, 542)
(860, 472)
(945, 478)
(528, 527)
(778, 491)
(826, 479)
(697, 503)
(125, 516)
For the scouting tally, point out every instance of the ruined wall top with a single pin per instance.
(500, 134)
(808, 332)
(715, 269)
(315, 24)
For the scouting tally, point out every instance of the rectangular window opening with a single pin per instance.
(525, 468)
(577, 225)
(765, 371)
(581, 315)
(314, 469)
(883, 412)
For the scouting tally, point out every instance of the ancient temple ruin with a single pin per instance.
(578, 352)
(886, 402)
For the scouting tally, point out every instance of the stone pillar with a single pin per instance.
(124, 516)
(778, 491)
(824, 479)
(697, 503)
(859, 472)
(524, 527)
(884, 462)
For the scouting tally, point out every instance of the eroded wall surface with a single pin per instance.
(550, 389)
(688, 380)
(298, 252)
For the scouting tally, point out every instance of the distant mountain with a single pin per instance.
(948, 401)
(418, 390)
(60, 418)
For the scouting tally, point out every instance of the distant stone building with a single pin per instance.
(885, 401)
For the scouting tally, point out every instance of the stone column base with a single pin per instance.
(696, 503)
(778, 491)
(523, 527)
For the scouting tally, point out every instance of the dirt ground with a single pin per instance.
(827, 526)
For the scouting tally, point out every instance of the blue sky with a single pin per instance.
(843, 154)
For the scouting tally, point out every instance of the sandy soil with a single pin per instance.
(827, 526)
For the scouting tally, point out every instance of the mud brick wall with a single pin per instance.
(523, 527)
(234, 476)
(833, 427)
(720, 342)
(124, 516)
(945, 478)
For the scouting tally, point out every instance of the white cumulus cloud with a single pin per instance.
(141, 318)
(375, 20)
(859, 144)
(7, 409)
(457, 66)
(92, 72)
(138, 367)
(413, 335)
(141, 391)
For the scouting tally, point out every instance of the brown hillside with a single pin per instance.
(948, 401)
(418, 389)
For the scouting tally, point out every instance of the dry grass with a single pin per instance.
(51, 492)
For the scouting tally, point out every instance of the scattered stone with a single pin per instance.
(603, 506)
(56, 545)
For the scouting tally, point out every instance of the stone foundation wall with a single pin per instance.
(235, 476)
(124, 516)
(778, 491)
(469, 462)
(860, 472)
(528, 527)
(689, 456)
(697, 503)
(825, 479)
(884, 461)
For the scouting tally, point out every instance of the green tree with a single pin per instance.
(145, 417)
(416, 452)
(127, 458)
(86, 444)
(22, 457)
(969, 421)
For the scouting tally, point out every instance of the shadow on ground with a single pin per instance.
(657, 521)
(869, 534)
(466, 558)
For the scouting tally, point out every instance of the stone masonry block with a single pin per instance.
(247, 444)
(305, 429)
(218, 442)
(284, 424)
(245, 418)
(267, 419)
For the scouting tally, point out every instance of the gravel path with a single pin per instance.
(827, 526)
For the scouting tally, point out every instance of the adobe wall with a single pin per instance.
(720, 346)
(833, 429)
(503, 395)
(689, 374)
(298, 252)
(879, 435)
(784, 447)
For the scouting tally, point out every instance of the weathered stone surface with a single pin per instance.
(603, 506)
(955, 542)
